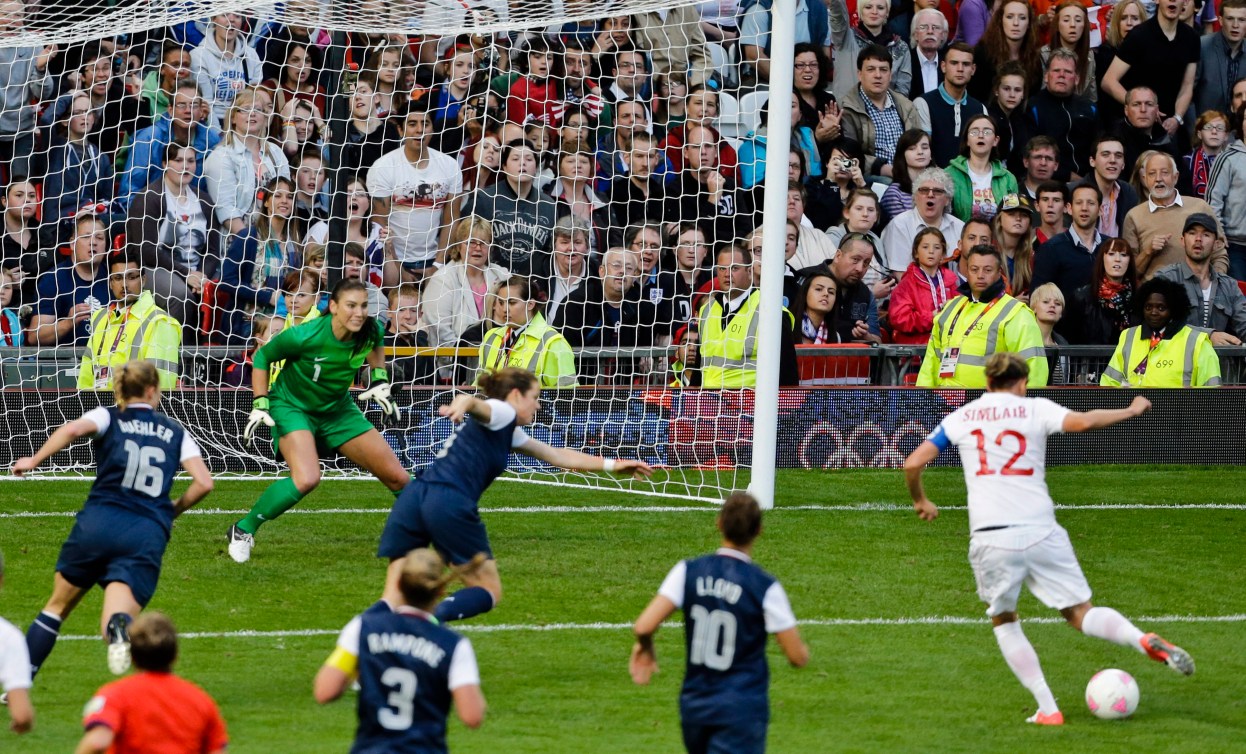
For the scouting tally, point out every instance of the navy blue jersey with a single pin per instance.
(404, 683)
(136, 456)
(724, 601)
(474, 455)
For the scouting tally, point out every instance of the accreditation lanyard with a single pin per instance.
(952, 327)
(510, 341)
(125, 318)
(937, 295)
(1156, 339)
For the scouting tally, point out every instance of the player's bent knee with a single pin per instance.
(1074, 615)
(306, 481)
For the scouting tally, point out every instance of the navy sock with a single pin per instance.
(41, 638)
(465, 603)
(123, 620)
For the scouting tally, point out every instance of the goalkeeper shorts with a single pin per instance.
(332, 429)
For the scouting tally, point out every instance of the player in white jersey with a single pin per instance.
(15, 678)
(1014, 537)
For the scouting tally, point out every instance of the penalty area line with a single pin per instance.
(929, 620)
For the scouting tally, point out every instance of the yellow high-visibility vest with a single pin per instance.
(1187, 359)
(540, 349)
(979, 329)
(121, 334)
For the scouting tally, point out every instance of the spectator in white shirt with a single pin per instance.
(415, 192)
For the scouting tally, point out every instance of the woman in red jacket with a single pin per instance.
(926, 287)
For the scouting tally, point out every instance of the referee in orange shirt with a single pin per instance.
(153, 707)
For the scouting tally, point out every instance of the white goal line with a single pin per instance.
(930, 620)
(849, 508)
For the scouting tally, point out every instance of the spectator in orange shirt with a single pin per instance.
(153, 706)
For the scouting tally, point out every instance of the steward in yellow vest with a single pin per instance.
(1163, 352)
(728, 328)
(526, 340)
(983, 320)
(133, 327)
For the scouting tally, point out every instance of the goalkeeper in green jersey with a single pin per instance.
(310, 409)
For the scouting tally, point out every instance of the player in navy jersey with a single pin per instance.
(1014, 538)
(409, 668)
(119, 536)
(729, 605)
(440, 507)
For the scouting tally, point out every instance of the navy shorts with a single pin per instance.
(740, 737)
(426, 515)
(110, 544)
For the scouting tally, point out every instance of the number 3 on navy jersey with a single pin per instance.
(1009, 469)
(713, 638)
(402, 683)
(141, 473)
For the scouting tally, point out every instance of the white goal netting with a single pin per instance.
(545, 183)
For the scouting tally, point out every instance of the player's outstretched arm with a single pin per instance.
(644, 661)
(574, 460)
(64, 436)
(1084, 421)
(914, 465)
(795, 649)
(201, 485)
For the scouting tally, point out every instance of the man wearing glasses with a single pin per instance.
(932, 196)
(927, 41)
(132, 327)
(1065, 116)
(181, 124)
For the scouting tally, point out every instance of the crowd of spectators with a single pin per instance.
(587, 186)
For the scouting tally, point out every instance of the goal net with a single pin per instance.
(540, 183)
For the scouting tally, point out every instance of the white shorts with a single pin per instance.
(1005, 559)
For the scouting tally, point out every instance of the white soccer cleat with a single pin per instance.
(118, 645)
(240, 544)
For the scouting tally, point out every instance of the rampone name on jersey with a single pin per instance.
(406, 644)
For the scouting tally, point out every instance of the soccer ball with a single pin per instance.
(1112, 694)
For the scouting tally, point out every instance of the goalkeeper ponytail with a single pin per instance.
(365, 338)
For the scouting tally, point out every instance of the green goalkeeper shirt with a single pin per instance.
(319, 369)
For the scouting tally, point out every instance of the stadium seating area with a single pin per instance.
(244, 163)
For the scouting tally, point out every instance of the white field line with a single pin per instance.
(929, 620)
(848, 508)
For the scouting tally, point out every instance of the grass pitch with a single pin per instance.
(553, 655)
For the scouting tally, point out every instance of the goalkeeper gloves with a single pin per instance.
(259, 415)
(379, 392)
